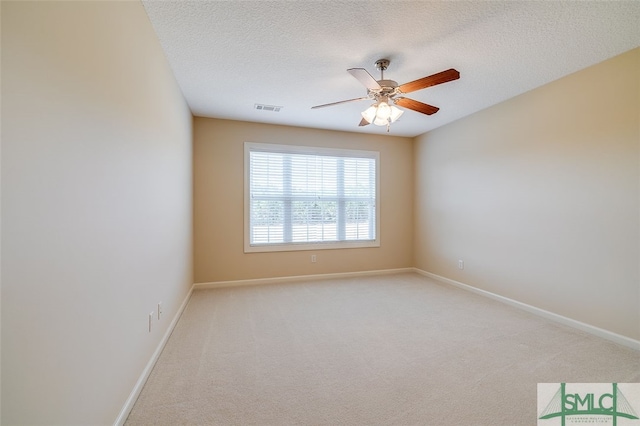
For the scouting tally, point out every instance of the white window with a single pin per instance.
(305, 198)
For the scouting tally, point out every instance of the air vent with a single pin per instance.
(272, 108)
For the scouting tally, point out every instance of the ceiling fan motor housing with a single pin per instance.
(388, 84)
(388, 88)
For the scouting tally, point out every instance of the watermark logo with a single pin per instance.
(564, 404)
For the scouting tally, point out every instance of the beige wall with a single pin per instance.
(218, 203)
(96, 207)
(539, 196)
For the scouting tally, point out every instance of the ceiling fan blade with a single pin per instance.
(432, 80)
(363, 122)
(364, 77)
(340, 102)
(416, 106)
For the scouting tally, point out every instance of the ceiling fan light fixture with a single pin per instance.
(381, 114)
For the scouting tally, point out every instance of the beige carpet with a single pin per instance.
(385, 350)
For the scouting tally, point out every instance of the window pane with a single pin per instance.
(314, 221)
(312, 175)
(359, 177)
(267, 221)
(266, 174)
(359, 220)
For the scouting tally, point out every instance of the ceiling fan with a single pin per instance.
(387, 94)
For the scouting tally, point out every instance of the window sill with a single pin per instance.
(266, 248)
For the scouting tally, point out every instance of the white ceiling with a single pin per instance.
(229, 55)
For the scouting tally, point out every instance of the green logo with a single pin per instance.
(588, 400)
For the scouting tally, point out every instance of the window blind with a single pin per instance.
(301, 198)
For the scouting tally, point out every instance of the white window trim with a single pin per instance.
(254, 146)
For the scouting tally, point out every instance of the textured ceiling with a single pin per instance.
(229, 55)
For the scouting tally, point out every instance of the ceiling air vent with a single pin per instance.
(272, 108)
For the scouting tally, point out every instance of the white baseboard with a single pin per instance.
(605, 334)
(297, 278)
(133, 396)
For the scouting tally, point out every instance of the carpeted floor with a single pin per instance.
(384, 350)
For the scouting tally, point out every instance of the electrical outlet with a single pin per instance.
(159, 309)
(460, 264)
(313, 258)
(150, 321)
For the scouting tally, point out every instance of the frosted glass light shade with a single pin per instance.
(384, 111)
(395, 113)
(369, 114)
(381, 121)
